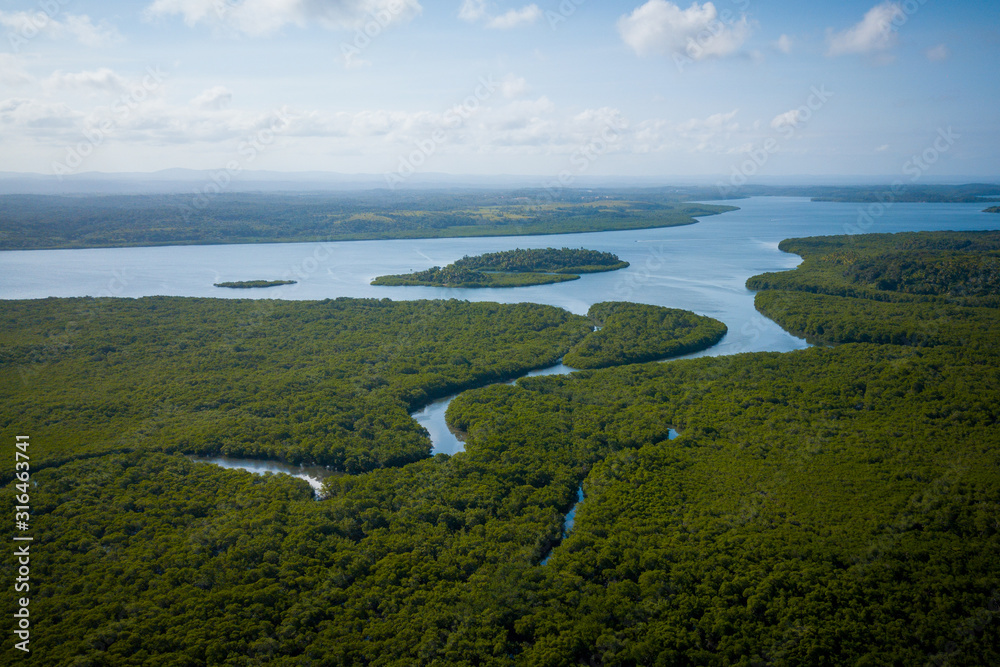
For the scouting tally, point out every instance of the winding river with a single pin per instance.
(701, 267)
(446, 441)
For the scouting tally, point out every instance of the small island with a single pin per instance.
(992, 209)
(511, 268)
(249, 284)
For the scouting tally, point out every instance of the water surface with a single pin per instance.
(314, 475)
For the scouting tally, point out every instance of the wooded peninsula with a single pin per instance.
(835, 505)
(50, 221)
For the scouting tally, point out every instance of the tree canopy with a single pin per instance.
(511, 268)
(835, 505)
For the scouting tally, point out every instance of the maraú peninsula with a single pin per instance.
(500, 333)
(834, 505)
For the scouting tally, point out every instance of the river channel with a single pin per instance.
(701, 267)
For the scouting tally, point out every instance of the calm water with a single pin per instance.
(432, 417)
(314, 475)
(701, 267)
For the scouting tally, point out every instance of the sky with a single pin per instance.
(736, 90)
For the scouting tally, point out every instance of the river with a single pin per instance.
(700, 267)
(313, 475)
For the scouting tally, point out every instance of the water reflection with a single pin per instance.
(314, 475)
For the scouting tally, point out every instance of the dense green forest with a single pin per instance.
(927, 288)
(50, 221)
(250, 284)
(632, 332)
(116, 220)
(328, 382)
(511, 268)
(544, 260)
(454, 276)
(836, 505)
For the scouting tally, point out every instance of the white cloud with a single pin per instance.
(937, 53)
(472, 10)
(696, 32)
(516, 17)
(102, 80)
(25, 26)
(507, 123)
(873, 33)
(513, 86)
(784, 44)
(712, 124)
(261, 17)
(711, 134)
(788, 119)
(216, 97)
(717, 134)
(12, 72)
(480, 10)
(35, 115)
(882, 148)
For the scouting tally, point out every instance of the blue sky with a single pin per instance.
(734, 90)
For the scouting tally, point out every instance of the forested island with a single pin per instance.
(992, 209)
(511, 268)
(836, 505)
(251, 284)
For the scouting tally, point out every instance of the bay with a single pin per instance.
(700, 267)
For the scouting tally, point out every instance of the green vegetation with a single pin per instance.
(511, 268)
(248, 284)
(45, 221)
(453, 276)
(928, 288)
(836, 505)
(821, 507)
(631, 333)
(328, 382)
(544, 260)
(973, 193)
(992, 209)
